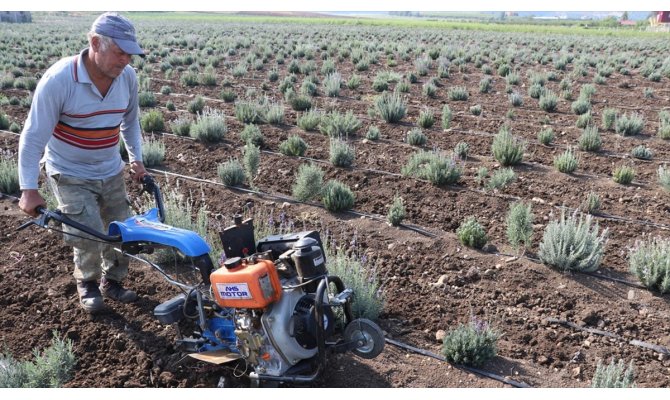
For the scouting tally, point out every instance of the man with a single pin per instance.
(82, 106)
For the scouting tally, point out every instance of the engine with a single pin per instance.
(274, 301)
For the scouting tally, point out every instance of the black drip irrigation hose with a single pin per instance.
(634, 342)
(291, 200)
(477, 371)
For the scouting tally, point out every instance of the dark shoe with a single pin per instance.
(89, 296)
(114, 290)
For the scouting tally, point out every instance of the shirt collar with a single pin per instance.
(81, 74)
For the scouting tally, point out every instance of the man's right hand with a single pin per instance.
(30, 200)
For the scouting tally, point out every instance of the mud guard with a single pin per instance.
(148, 228)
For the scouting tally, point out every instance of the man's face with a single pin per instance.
(111, 61)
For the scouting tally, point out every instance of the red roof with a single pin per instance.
(628, 22)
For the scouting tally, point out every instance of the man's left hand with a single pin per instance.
(137, 170)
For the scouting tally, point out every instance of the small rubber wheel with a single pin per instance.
(369, 334)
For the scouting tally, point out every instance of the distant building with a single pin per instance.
(627, 22)
(660, 21)
(16, 16)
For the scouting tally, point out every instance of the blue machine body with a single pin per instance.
(148, 228)
(221, 333)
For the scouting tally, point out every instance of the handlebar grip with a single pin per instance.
(41, 209)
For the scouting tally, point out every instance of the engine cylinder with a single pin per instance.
(309, 261)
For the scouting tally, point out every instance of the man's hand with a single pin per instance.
(30, 200)
(137, 170)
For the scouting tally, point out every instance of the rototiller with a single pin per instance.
(270, 306)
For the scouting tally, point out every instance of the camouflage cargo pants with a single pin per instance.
(95, 203)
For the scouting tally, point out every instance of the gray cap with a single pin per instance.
(120, 29)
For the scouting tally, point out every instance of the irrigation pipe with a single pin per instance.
(459, 366)
(634, 342)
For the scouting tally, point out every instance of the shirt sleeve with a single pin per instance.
(43, 116)
(131, 132)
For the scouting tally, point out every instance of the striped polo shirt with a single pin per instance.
(74, 129)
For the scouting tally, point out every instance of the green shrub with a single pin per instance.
(251, 160)
(396, 212)
(293, 146)
(664, 177)
(485, 85)
(189, 79)
(274, 113)
(337, 196)
(310, 120)
(403, 86)
(446, 116)
(613, 375)
(434, 167)
(592, 204)
(566, 162)
(368, 301)
(461, 150)
(458, 93)
(471, 233)
(230, 173)
(501, 178)
(196, 105)
(332, 83)
(535, 90)
(372, 133)
(623, 175)
(166, 89)
(391, 107)
(476, 109)
(181, 126)
(546, 136)
(4, 121)
(309, 182)
(473, 344)
(519, 225)
(581, 106)
(587, 91)
(416, 137)
(429, 90)
(252, 133)
(516, 99)
(642, 152)
(249, 112)
(628, 125)
(227, 95)
(609, 118)
(650, 263)
(584, 120)
(50, 369)
(9, 176)
(426, 119)
(146, 99)
(379, 84)
(153, 152)
(573, 244)
(15, 127)
(300, 103)
(152, 121)
(337, 125)
(209, 127)
(170, 106)
(548, 101)
(590, 139)
(664, 125)
(341, 154)
(354, 82)
(507, 149)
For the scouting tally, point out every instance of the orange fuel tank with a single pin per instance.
(239, 284)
